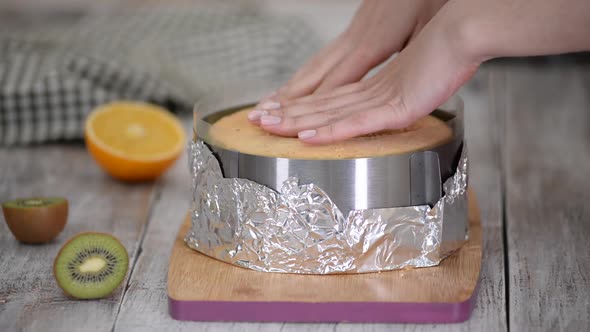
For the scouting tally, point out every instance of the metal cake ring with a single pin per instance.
(292, 215)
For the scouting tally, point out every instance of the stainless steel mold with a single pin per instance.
(353, 184)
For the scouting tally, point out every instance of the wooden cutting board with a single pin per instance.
(201, 288)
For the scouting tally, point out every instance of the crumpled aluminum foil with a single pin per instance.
(300, 230)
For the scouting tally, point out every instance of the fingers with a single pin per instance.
(345, 95)
(319, 103)
(388, 116)
(308, 78)
(336, 92)
(261, 109)
(351, 69)
(291, 125)
(305, 81)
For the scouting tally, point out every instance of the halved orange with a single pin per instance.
(133, 141)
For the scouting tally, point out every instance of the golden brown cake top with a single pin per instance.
(235, 132)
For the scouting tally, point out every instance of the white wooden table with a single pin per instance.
(528, 130)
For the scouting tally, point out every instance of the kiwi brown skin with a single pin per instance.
(36, 224)
(60, 252)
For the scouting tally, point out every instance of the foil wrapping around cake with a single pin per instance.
(300, 230)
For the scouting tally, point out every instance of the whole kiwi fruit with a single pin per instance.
(91, 265)
(36, 220)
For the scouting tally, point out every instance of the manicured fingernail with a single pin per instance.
(306, 134)
(256, 114)
(270, 120)
(270, 105)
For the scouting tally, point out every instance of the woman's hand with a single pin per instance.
(424, 75)
(378, 30)
(442, 57)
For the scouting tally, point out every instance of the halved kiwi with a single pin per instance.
(91, 265)
(36, 220)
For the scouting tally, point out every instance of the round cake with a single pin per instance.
(235, 132)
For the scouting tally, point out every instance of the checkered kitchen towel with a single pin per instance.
(51, 79)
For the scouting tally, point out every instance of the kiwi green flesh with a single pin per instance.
(91, 265)
(34, 202)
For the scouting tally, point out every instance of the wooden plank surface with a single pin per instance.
(145, 306)
(30, 300)
(547, 155)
